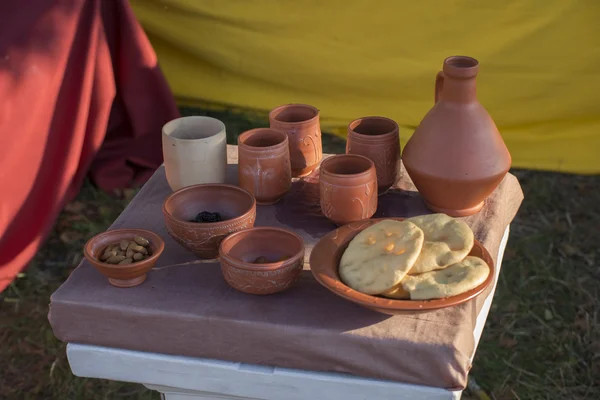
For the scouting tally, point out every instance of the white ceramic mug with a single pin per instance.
(194, 151)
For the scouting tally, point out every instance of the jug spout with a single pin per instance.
(456, 81)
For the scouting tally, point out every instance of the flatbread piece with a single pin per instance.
(447, 241)
(380, 256)
(454, 280)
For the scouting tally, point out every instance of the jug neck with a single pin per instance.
(459, 90)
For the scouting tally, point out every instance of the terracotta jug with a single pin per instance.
(301, 123)
(377, 138)
(456, 157)
(264, 164)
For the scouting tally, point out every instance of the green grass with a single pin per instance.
(541, 341)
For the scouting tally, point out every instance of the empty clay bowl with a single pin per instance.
(234, 204)
(280, 253)
(128, 275)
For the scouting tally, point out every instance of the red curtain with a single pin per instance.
(80, 93)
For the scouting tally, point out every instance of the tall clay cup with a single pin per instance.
(456, 157)
(301, 123)
(194, 151)
(264, 164)
(377, 138)
(348, 188)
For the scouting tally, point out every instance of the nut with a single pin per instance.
(125, 251)
(115, 259)
(140, 249)
(107, 255)
(141, 241)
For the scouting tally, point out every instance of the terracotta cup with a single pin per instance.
(348, 188)
(301, 123)
(264, 164)
(195, 151)
(377, 138)
(282, 259)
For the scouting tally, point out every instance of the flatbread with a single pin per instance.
(447, 241)
(454, 280)
(380, 256)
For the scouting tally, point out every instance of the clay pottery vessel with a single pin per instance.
(377, 138)
(194, 151)
(456, 157)
(262, 260)
(128, 275)
(348, 188)
(301, 123)
(264, 164)
(236, 206)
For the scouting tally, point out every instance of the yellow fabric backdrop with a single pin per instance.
(539, 76)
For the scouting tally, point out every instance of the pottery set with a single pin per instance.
(455, 158)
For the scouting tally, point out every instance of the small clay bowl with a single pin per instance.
(236, 206)
(282, 250)
(128, 275)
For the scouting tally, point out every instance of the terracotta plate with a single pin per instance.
(326, 256)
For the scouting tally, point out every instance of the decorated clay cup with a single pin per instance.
(264, 164)
(262, 260)
(348, 188)
(378, 139)
(301, 123)
(236, 207)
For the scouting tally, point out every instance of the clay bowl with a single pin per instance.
(129, 275)
(325, 259)
(282, 249)
(236, 206)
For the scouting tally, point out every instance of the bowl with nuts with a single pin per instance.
(124, 256)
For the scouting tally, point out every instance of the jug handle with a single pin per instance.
(439, 85)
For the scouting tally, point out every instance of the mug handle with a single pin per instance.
(439, 85)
